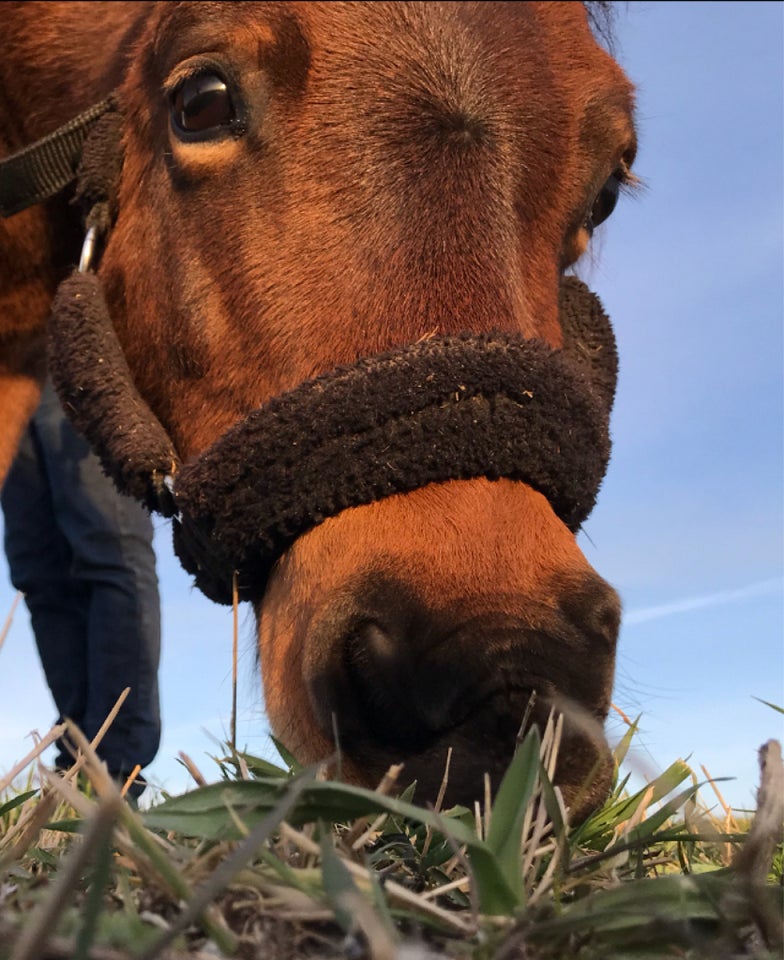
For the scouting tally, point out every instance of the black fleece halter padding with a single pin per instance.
(86, 361)
(452, 407)
(589, 338)
(91, 376)
(447, 408)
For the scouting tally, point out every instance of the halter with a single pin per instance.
(452, 407)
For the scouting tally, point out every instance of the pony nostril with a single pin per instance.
(378, 670)
(404, 690)
(372, 660)
(373, 642)
(595, 610)
(604, 618)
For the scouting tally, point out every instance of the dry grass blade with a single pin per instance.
(225, 873)
(9, 619)
(439, 799)
(20, 837)
(54, 734)
(145, 849)
(192, 769)
(103, 729)
(730, 824)
(753, 859)
(234, 659)
(37, 929)
(358, 834)
(396, 893)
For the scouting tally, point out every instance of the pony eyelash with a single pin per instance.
(628, 180)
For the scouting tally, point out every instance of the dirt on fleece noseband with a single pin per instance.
(450, 407)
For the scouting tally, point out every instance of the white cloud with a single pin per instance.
(656, 612)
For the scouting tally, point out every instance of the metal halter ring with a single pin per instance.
(88, 249)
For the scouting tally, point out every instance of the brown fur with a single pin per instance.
(407, 168)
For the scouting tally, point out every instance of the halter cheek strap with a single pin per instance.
(86, 361)
(46, 167)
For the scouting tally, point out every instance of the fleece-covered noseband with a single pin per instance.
(450, 407)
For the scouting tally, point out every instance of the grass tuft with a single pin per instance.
(274, 861)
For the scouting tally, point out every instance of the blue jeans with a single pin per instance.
(82, 555)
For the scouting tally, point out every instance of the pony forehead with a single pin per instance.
(180, 29)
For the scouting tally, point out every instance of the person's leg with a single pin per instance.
(39, 561)
(110, 537)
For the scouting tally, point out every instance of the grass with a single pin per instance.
(277, 862)
(272, 862)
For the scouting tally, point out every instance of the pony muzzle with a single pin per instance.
(390, 678)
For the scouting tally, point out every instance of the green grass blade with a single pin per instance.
(286, 756)
(504, 837)
(16, 802)
(646, 830)
(636, 905)
(340, 889)
(773, 706)
(259, 767)
(94, 903)
(595, 832)
(622, 748)
(205, 813)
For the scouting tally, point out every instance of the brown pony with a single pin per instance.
(304, 186)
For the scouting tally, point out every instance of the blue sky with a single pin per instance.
(690, 522)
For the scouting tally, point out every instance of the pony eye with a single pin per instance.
(604, 204)
(202, 107)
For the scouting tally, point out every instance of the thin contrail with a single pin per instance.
(758, 589)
